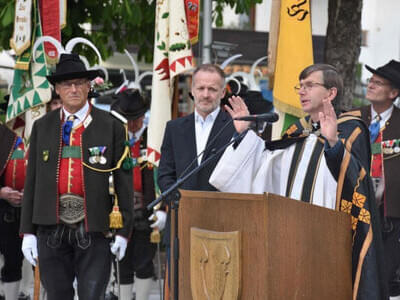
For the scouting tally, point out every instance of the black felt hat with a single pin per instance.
(390, 71)
(70, 66)
(130, 103)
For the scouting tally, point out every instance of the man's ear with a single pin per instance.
(394, 93)
(223, 93)
(332, 93)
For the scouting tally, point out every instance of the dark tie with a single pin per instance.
(374, 128)
(67, 127)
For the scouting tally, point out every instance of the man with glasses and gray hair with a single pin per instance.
(383, 119)
(322, 160)
(68, 193)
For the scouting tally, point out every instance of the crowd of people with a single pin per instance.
(74, 202)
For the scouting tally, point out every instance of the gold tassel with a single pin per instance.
(116, 216)
(155, 236)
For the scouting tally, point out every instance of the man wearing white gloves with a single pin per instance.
(65, 219)
(137, 266)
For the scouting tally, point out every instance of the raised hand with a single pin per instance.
(328, 122)
(239, 109)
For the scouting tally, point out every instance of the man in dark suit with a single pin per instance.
(383, 119)
(74, 154)
(187, 137)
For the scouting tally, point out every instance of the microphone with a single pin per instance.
(267, 117)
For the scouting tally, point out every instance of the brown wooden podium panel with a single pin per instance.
(289, 249)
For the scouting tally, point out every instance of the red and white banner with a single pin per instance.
(172, 56)
(192, 9)
(50, 19)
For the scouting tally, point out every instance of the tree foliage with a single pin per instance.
(115, 24)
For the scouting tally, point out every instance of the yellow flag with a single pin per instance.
(294, 53)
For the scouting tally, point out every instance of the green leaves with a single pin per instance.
(7, 14)
(115, 24)
(240, 6)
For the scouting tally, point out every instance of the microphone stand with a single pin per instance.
(172, 196)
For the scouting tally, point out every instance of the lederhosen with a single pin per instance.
(12, 171)
(140, 252)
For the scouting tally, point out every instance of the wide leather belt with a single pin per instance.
(71, 208)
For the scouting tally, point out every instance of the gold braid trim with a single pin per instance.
(124, 155)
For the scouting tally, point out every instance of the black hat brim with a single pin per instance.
(91, 74)
(133, 116)
(383, 74)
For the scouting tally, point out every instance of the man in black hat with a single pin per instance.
(383, 119)
(75, 156)
(137, 266)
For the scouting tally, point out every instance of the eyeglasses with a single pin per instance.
(376, 82)
(308, 85)
(77, 83)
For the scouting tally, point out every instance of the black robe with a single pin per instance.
(355, 196)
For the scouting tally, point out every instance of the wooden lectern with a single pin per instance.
(274, 248)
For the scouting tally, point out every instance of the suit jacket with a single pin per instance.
(41, 199)
(178, 150)
(391, 162)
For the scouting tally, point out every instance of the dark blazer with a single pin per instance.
(391, 162)
(41, 200)
(178, 150)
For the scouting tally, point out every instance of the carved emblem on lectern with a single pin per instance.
(215, 264)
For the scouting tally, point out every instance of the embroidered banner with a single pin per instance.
(50, 19)
(192, 9)
(172, 56)
(21, 38)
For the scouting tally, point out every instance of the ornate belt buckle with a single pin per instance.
(71, 208)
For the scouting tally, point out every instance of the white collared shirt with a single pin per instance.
(138, 133)
(385, 116)
(79, 115)
(202, 129)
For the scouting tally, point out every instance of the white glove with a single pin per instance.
(159, 217)
(29, 248)
(118, 248)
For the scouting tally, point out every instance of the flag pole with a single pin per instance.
(207, 32)
(273, 39)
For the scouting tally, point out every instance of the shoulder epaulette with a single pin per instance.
(355, 113)
(350, 115)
